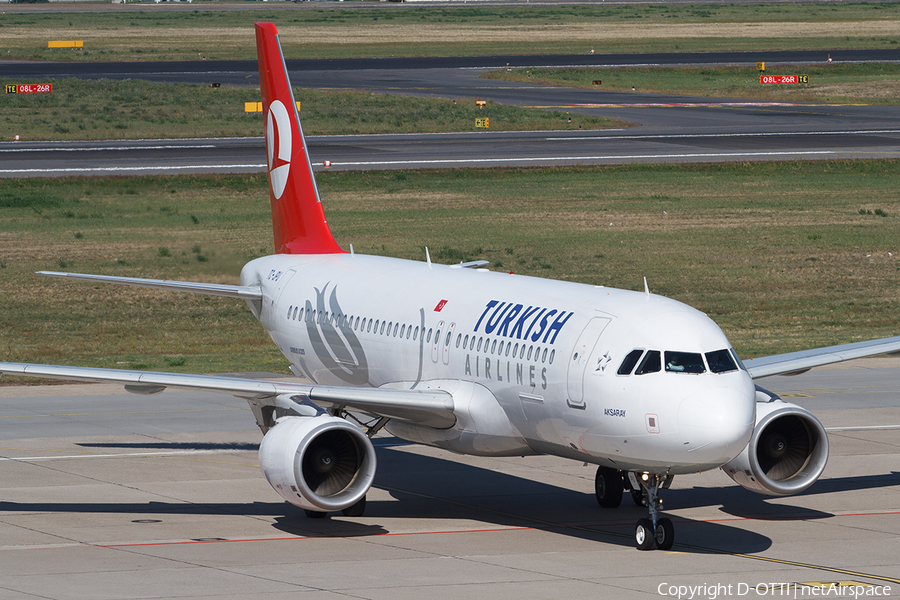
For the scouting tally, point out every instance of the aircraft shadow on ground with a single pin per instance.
(439, 489)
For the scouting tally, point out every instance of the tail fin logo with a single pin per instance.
(278, 139)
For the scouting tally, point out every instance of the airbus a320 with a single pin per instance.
(482, 363)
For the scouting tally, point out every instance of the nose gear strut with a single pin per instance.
(609, 486)
(655, 529)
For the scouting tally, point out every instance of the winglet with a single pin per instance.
(298, 221)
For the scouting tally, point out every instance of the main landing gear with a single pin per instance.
(610, 485)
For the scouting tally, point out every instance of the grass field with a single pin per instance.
(173, 33)
(134, 109)
(783, 255)
(869, 83)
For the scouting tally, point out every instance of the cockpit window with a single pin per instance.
(684, 362)
(650, 364)
(737, 359)
(720, 361)
(629, 362)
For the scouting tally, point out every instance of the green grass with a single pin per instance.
(778, 253)
(134, 109)
(208, 32)
(872, 83)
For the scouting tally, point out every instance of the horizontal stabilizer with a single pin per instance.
(794, 363)
(433, 408)
(210, 289)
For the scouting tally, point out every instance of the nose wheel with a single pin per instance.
(655, 529)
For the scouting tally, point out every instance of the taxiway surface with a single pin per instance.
(109, 495)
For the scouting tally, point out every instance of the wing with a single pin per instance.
(794, 363)
(433, 408)
(212, 289)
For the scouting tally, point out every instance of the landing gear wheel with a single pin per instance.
(315, 514)
(643, 534)
(356, 510)
(665, 534)
(637, 496)
(608, 487)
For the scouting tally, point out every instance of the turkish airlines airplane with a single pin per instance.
(483, 363)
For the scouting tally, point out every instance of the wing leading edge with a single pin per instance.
(433, 408)
(794, 363)
(211, 289)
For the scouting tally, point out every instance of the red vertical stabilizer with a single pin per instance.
(298, 220)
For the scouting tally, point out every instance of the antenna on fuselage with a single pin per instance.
(427, 257)
(646, 288)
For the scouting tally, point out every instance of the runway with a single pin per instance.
(110, 495)
(669, 129)
(382, 152)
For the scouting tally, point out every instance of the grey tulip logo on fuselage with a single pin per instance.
(334, 342)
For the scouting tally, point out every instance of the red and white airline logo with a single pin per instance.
(278, 138)
(440, 306)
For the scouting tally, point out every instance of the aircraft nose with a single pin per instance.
(716, 424)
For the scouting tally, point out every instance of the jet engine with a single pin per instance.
(318, 463)
(787, 452)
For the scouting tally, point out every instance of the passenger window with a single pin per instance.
(684, 362)
(396, 328)
(552, 354)
(479, 343)
(381, 331)
(500, 350)
(544, 357)
(290, 310)
(448, 338)
(356, 325)
(428, 339)
(494, 347)
(515, 350)
(408, 331)
(650, 363)
(466, 342)
(631, 359)
(458, 339)
(530, 348)
(720, 361)
(300, 318)
(416, 333)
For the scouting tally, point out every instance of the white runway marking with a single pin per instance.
(127, 455)
(722, 135)
(578, 158)
(121, 169)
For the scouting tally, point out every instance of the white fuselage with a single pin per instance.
(533, 364)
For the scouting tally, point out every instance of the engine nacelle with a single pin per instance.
(787, 451)
(318, 463)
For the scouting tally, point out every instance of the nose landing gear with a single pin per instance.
(609, 486)
(656, 529)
